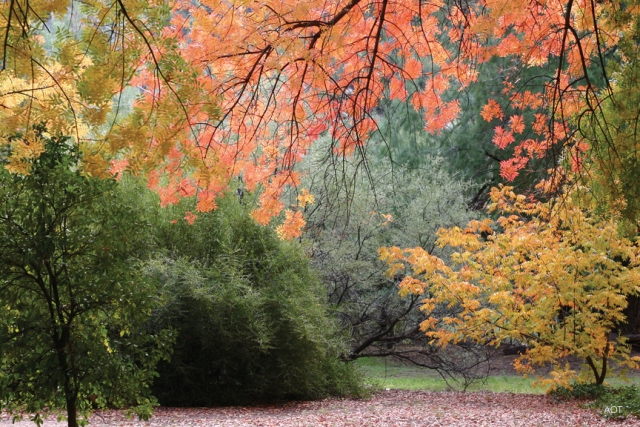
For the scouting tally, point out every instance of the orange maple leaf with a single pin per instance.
(509, 168)
(516, 123)
(502, 138)
(190, 217)
(491, 110)
(413, 68)
(206, 201)
(540, 126)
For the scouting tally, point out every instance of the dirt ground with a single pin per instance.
(392, 408)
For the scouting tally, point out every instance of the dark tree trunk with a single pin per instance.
(599, 376)
(70, 392)
(72, 415)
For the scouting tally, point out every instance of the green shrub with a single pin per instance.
(619, 403)
(250, 315)
(580, 391)
(612, 403)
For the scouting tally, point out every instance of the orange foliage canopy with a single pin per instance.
(242, 89)
(284, 72)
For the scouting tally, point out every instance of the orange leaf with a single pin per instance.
(502, 138)
(491, 110)
(292, 226)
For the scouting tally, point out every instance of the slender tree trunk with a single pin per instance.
(72, 415)
(71, 395)
(70, 392)
(604, 369)
(600, 376)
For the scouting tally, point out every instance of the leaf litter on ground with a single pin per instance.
(397, 408)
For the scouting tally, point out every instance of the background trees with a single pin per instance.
(73, 300)
(360, 204)
(234, 90)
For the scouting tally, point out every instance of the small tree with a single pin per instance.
(550, 276)
(72, 302)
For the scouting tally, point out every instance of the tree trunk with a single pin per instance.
(70, 392)
(72, 415)
(600, 376)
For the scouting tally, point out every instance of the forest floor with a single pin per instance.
(397, 408)
(390, 408)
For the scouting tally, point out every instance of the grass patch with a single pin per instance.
(395, 375)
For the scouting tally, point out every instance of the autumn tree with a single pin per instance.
(68, 64)
(234, 89)
(309, 68)
(73, 301)
(551, 276)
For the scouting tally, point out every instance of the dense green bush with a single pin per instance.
(249, 312)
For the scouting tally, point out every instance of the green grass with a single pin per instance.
(394, 375)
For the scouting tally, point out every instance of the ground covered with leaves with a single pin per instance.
(390, 408)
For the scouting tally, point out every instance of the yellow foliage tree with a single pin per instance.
(75, 66)
(548, 275)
